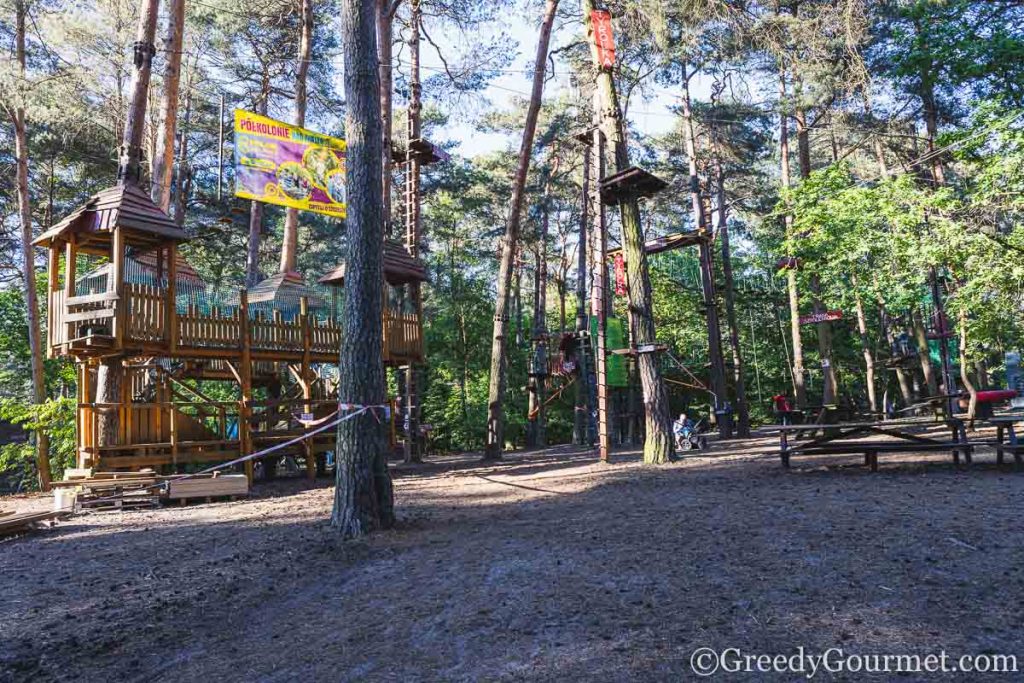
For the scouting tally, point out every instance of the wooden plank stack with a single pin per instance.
(209, 487)
(13, 523)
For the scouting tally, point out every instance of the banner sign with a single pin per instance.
(603, 47)
(824, 317)
(278, 163)
(620, 275)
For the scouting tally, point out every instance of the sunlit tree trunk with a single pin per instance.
(110, 374)
(921, 339)
(252, 258)
(363, 498)
(413, 375)
(499, 368)
(163, 161)
(290, 242)
(865, 348)
(20, 121)
(537, 418)
(798, 375)
(739, 382)
(658, 432)
(965, 370)
(824, 328)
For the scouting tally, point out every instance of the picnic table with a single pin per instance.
(1006, 436)
(839, 439)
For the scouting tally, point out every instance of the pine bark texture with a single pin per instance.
(499, 367)
(658, 441)
(20, 121)
(363, 498)
(799, 378)
(290, 241)
(414, 441)
(252, 255)
(163, 161)
(130, 165)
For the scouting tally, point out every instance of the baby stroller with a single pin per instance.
(689, 435)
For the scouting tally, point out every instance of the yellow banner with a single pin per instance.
(278, 163)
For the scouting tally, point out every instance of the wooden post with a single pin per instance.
(174, 437)
(116, 285)
(53, 282)
(307, 386)
(70, 272)
(245, 377)
(599, 290)
(170, 306)
(85, 418)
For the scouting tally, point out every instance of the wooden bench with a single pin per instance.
(838, 439)
(1006, 438)
(871, 449)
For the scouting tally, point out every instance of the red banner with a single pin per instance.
(823, 317)
(603, 47)
(620, 275)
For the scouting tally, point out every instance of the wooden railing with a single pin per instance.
(56, 327)
(276, 334)
(215, 329)
(402, 335)
(325, 337)
(146, 316)
(144, 309)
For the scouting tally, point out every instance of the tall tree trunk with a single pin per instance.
(865, 348)
(537, 418)
(965, 373)
(921, 339)
(184, 172)
(290, 242)
(252, 257)
(363, 497)
(582, 434)
(499, 379)
(130, 163)
(926, 78)
(707, 270)
(110, 375)
(413, 375)
(163, 160)
(658, 432)
(824, 328)
(883, 167)
(385, 36)
(798, 375)
(739, 382)
(20, 121)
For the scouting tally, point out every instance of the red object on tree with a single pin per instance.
(620, 275)
(604, 39)
(995, 395)
(781, 402)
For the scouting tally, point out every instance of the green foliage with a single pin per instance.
(56, 418)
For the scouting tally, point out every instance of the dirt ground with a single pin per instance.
(548, 566)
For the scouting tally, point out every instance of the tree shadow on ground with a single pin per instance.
(621, 576)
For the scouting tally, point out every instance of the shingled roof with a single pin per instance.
(399, 267)
(124, 206)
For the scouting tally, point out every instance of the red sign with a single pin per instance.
(603, 47)
(823, 317)
(620, 275)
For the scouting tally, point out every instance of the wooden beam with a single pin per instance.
(245, 381)
(116, 285)
(170, 306)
